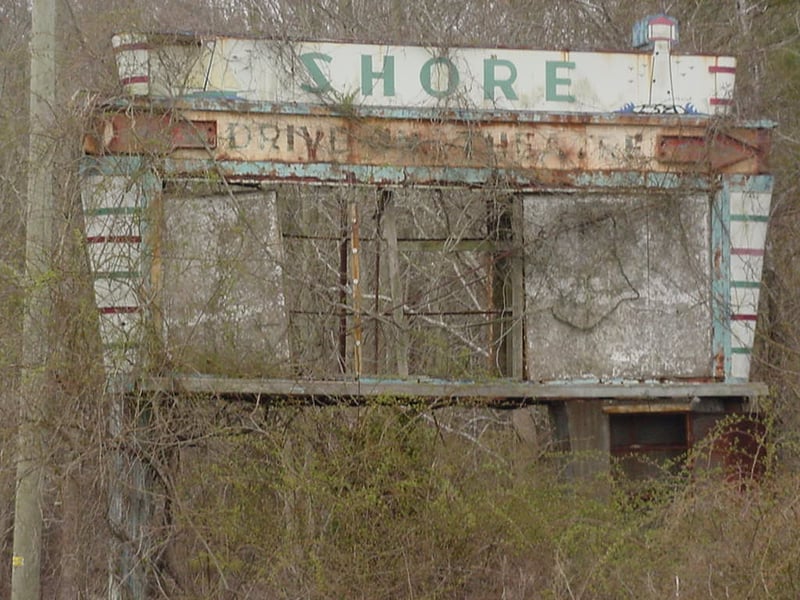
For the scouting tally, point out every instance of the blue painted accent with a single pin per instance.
(111, 164)
(746, 284)
(629, 108)
(720, 278)
(750, 218)
(219, 95)
(759, 184)
(225, 102)
(121, 275)
(641, 31)
(113, 210)
(690, 109)
(517, 180)
(228, 103)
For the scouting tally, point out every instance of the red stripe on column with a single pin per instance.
(132, 46)
(718, 69)
(114, 239)
(135, 79)
(747, 251)
(720, 102)
(119, 310)
(744, 317)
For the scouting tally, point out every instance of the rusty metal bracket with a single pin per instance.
(138, 133)
(715, 150)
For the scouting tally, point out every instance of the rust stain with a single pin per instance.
(555, 149)
(138, 133)
(717, 151)
(719, 364)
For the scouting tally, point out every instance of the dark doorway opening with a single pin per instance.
(648, 444)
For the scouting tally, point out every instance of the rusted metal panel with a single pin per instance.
(143, 133)
(589, 438)
(617, 286)
(715, 149)
(330, 73)
(648, 444)
(554, 152)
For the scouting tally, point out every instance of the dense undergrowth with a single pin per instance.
(380, 503)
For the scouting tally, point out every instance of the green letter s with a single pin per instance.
(321, 83)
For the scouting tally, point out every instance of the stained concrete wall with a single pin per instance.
(617, 287)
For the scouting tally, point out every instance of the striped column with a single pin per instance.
(133, 62)
(725, 75)
(112, 207)
(749, 214)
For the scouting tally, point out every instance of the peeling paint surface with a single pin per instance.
(327, 73)
(222, 298)
(329, 144)
(617, 286)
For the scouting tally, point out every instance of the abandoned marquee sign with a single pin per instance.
(602, 135)
(577, 228)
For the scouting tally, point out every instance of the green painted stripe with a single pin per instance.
(741, 350)
(124, 346)
(753, 218)
(113, 210)
(746, 284)
(116, 274)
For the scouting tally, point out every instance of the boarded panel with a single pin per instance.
(617, 287)
(223, 300)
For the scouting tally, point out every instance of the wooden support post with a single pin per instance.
(34, 401)
(395, 285)
(130, 503)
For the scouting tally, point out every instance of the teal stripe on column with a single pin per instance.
(751, 218)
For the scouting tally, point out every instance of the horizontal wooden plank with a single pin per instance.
(496, 392)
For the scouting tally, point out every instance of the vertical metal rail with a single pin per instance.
(396, 289)
(355, 268)
(342, 300)
(517, 339)
(376, 305)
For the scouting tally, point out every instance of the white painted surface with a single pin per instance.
(617, 287)
(742, 334)
(748, 234)
(223, 301)
(740, 366)
(746, 268)
(553, 81)
(744, 301)
(750, 203)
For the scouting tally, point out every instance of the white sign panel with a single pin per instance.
(347, 76)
